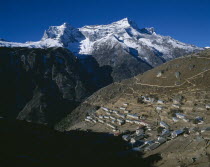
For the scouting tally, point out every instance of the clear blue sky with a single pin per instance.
(184, 20)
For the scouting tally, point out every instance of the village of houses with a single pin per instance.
(152, 122)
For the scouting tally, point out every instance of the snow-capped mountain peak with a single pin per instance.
(125, 23)
(65, 34)
(55, 32)
(145, 43)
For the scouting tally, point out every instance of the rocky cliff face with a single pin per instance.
(41, 85)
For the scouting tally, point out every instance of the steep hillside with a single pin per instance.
(179, 86)
(43, 85)
(180, 75)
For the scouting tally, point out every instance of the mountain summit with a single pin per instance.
(122, 45)
(124, 23)
(65, 34)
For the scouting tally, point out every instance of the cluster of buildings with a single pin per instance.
(140, 139)
(180, 116)
(144, 144)
(113, 118)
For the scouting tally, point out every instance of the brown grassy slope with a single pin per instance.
(194, 75)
